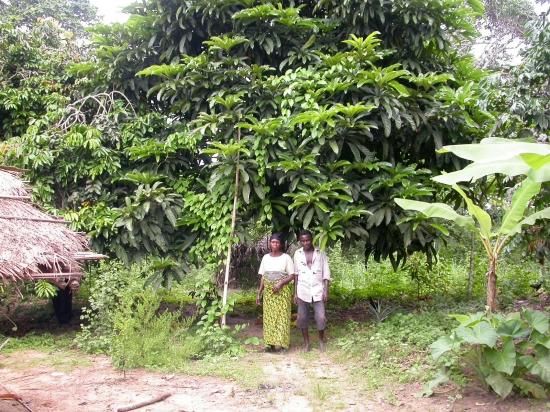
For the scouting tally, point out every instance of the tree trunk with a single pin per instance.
(492, 286)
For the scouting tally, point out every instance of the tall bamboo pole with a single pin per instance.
(233, 222)
(472, 265)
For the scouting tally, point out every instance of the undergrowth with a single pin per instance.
(393, 350)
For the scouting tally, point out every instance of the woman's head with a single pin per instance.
(276, 242)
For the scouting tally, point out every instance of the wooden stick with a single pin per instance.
(13, 169)
(15, 398)
(144, 403)
(34, 219)
(55, 275)
(233, 222)
(15, 197)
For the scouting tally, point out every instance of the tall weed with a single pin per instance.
(144, 337)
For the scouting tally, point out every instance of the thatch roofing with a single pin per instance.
(34, 244)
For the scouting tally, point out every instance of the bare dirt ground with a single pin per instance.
(290, 382)
(69, 381)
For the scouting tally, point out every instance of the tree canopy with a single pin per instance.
(329, 110)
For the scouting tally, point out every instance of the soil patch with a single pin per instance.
(291, 382)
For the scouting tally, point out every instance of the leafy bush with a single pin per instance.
(217, 339)
(144, 337)
(508, 352)
(107, 283)
(352, 281)
(123, 318)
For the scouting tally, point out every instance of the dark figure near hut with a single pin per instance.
(63, 302)
(312, 284)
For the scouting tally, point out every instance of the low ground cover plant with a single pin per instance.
(508, 352)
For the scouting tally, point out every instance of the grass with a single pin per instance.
(247, 371)
(40, 341)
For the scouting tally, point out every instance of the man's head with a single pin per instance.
(306, 240)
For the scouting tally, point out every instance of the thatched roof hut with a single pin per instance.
(33, 244)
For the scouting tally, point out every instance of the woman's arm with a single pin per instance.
(282, 282)
(260, 291)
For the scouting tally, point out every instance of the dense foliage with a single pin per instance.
(327, 110)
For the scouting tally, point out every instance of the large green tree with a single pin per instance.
(329, 110)
(38, 40)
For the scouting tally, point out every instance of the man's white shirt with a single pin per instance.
(310, 280)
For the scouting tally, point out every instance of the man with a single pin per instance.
(312, 283)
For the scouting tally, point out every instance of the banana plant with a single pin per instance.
(493, 156)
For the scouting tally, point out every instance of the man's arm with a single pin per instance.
(326, 283)
(326, 277)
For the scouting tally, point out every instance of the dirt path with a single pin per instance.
(289, 382)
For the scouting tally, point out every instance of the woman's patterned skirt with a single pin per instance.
(277, 307)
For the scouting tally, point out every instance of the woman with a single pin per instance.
(277, 271)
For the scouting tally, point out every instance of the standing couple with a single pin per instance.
(311, 275)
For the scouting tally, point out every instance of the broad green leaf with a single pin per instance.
(540, 166)
(481, 215)
(541, 368)
(530, 220)
(481, 333)
(246, 193)
(526, 361)
(441, 228)
(440, 378)
(259, 191)
(503, 359)
(441, 346)
(477, 5)
(493, 149)
(510, 167)
(520, 202)
(537, 320)
(513, 328)
(528, 387)
(541, 339)
(502, 386)
(439, 210)
(307, 218)
(402, 90)
(467, 320)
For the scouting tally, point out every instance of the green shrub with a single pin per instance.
(123, 318)
(145, 337)
(217, 339)
(352, 281)
(415, 330)
(107, 284)
(508, 352)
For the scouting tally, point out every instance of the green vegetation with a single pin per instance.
(507, 352)
(179, 138)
